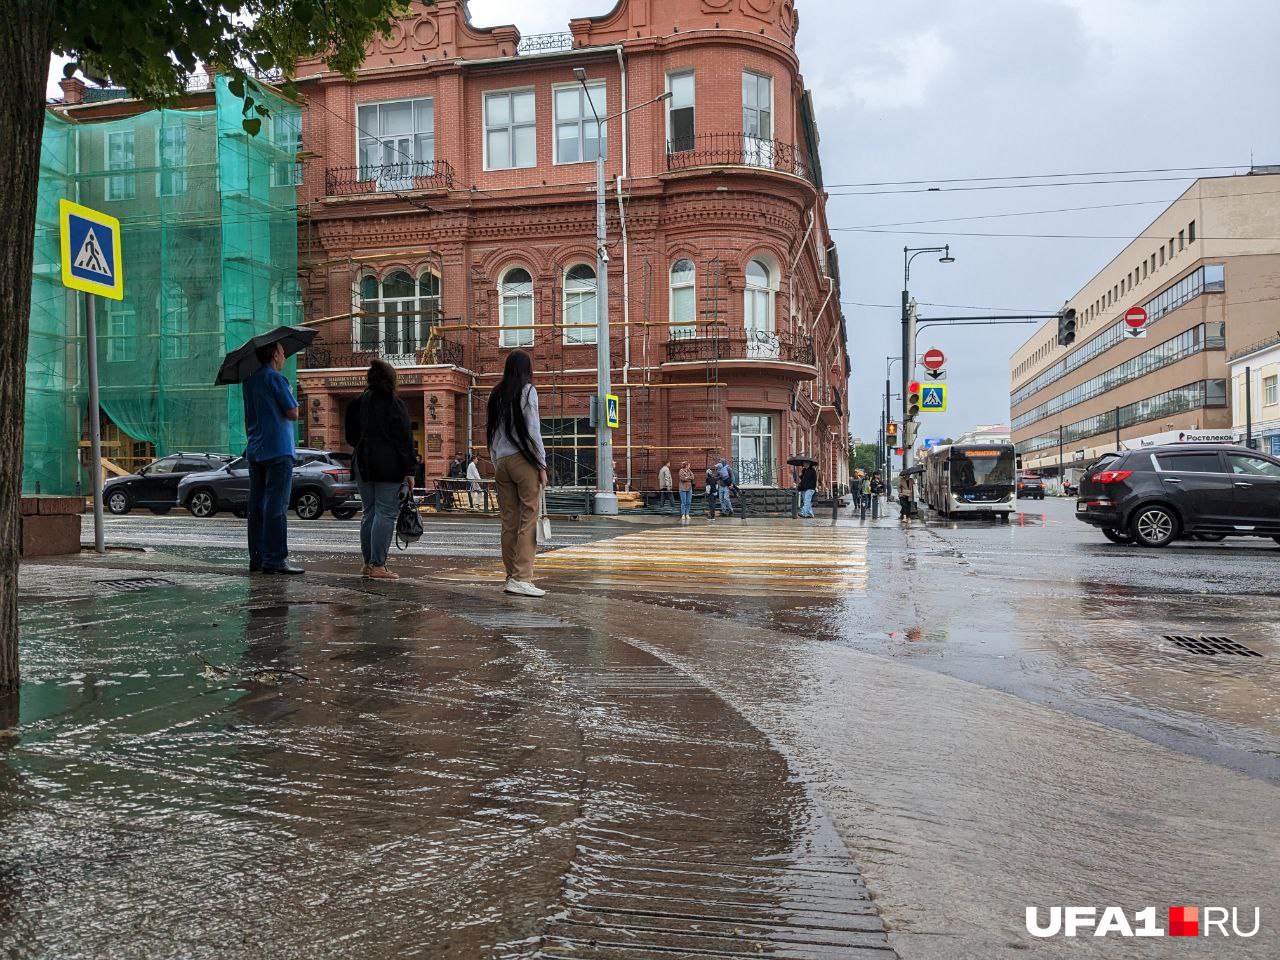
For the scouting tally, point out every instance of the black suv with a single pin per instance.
(156, 485)
(1202, 490)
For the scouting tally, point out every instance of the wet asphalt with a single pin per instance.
(673, 754)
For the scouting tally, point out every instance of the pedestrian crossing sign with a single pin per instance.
(933, 399)
(90, 251)
(611, 410)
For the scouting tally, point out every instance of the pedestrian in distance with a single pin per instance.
(906, 495)
(725, 480)
(378, 430)
(520, 469)
(866, 492)
(474, 488)
(270, 411)
(664, 485)
(711, 492)
(808, 486)
(685, 478)
(877, 485)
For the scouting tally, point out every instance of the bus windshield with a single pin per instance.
(981, 468)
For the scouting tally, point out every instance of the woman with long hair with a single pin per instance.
(378, 429)
(520, 468)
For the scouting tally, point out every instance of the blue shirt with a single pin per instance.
(267, 398)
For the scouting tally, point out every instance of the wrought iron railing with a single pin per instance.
(736, 150)
(434, 350)
(388, 178)
(545, 42)
(755, 473)
(721, 343)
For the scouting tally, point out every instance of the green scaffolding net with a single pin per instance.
(209, 248)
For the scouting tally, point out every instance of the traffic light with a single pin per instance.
(892, 431)
(913, 399)
(909, 433)
(1066, 327)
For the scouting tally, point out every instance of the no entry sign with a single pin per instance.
(1135, 317)
(933, 358)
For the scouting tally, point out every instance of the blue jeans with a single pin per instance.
(686, 502)
(806, 503)
(381, 505)
(270, 483)
(726, 505)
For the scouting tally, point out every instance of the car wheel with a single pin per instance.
(118, 502)
(1116, 536)
(343, 513)
(202, 503)
(160, 511)
(308, 506)
(1154, 526)
(1210, 537)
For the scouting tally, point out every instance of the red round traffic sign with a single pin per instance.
(1135, 317)
(933, 358)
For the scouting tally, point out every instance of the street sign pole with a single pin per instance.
(95, 421)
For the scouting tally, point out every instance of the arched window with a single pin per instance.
(580, 304)
(684, 308)
(758, 302)
(175, 323)
(398, 313)
(516, 294)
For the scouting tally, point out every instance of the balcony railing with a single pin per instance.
(545, 43)
(434, 350)
(690, 344)
(736, 150)
(388, 178)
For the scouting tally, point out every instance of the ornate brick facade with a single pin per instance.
(413, 229)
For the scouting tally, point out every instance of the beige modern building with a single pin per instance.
(1207, 273)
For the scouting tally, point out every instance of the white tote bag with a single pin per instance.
(543, 534)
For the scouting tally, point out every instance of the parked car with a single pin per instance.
(1030, 485)
(320, 482)
(155, 486)
(1200, 490)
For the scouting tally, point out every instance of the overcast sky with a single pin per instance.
(917, 90)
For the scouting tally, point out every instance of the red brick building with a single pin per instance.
(449, 216)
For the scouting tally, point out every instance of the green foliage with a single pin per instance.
(862, 456)
(151, 46)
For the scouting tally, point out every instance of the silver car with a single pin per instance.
(320, 482)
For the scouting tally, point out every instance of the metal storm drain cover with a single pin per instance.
(1212, 646)
(132, 584)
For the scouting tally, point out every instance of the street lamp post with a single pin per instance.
(606, 501)
(909, 332)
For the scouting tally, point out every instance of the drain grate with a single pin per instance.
(1212, 646)
(133, 584)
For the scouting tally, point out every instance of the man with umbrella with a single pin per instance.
(808, 481)
(270, 410)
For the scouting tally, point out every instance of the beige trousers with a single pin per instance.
(518, 501)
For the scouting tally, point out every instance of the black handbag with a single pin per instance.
(408, 523)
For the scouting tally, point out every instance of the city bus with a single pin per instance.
(970, 478)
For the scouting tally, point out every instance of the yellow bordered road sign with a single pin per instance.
(611, 410)
(90, 251)
(933, 398)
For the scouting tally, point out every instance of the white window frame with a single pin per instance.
(682, 330)
(286, 312)
(175, 322)
(123, 186)
(583, 120)
(671, 74)
(412, 334)
(577, 336)
(1270, 390)
(762, 341)
(510, 127)
(416, 166)
(122, 333)
(179, 176)
(735, 438)
(285, 173)
(510, 339)
(757, 151)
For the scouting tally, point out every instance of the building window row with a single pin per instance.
(1138, 274)
(1185, 344)
(1209, 278)
(1203, 393)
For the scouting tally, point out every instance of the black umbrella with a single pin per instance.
(240, 363)
(912, 471)
(801, 459)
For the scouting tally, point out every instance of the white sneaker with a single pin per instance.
(523, 588)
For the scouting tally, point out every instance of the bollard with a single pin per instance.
(875, 508)
(742, 501)
(795, 504)
(835, 506)
(862, 508)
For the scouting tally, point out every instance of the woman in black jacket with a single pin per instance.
(377, 426)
